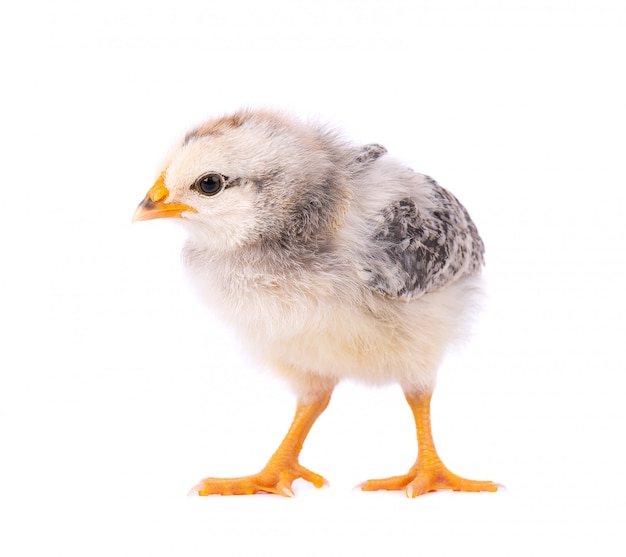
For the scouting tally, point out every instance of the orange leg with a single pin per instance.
(428, 473)
(283, 467)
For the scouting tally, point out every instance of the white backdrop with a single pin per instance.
(119, 391)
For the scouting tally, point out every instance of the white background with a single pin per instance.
(119, 391)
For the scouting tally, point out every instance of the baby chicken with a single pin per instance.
(331, 261)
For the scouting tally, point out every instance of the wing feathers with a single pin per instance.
(424, 248)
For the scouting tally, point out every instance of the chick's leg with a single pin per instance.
(283, 467)
(428, 473)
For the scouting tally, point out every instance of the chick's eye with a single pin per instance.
(209, 184)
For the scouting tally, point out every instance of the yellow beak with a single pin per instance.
(154, 207)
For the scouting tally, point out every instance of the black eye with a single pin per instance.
(210, 184)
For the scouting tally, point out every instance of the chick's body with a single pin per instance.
(330, 260)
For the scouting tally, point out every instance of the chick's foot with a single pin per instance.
(421, 480)
(276, 477)
(283, 466)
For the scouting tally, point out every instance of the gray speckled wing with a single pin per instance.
(423, 248)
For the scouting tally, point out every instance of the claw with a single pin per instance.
(287, 492)
(195, 490)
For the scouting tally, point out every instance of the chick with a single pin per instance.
(331, 261)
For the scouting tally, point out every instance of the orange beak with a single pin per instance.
(154, 207)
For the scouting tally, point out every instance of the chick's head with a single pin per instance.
(247, 178)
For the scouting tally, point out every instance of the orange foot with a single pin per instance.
(274, 478)
(421, 480)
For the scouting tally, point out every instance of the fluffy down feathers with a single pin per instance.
(330, 260)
